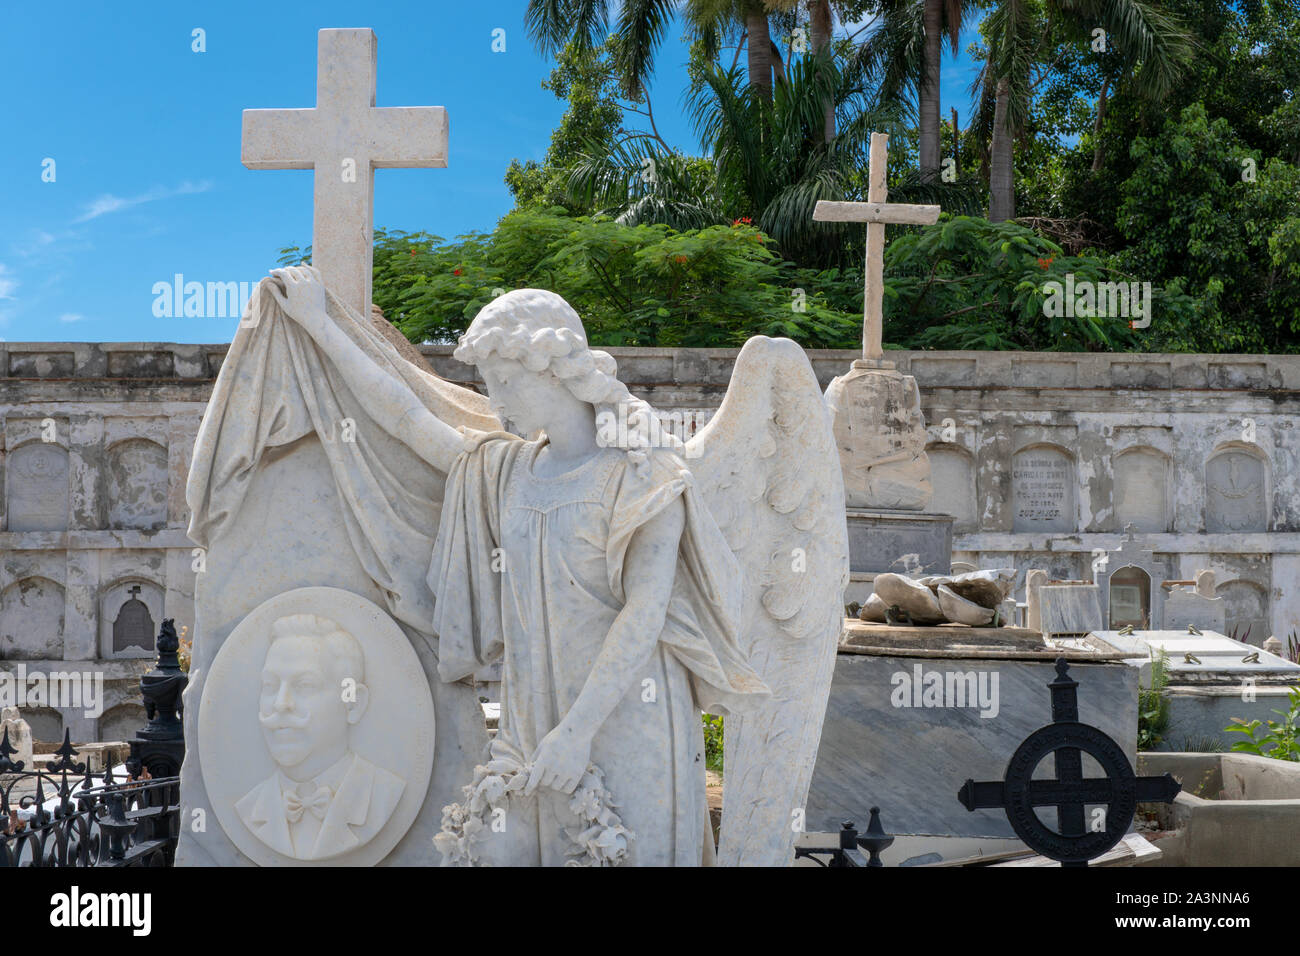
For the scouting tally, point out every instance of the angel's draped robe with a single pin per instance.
(531, 569)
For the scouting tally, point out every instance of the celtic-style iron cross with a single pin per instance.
(1120, 790)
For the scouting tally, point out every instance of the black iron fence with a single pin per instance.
(64, 815)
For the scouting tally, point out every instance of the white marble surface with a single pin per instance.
(316, 727)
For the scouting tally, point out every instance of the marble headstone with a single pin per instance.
(20, 736)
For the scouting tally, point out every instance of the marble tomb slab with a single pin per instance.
(882, 745)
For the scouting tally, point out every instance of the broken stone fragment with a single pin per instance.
(986, 588)
(961, 611)
(873, 610)
(911, 597)
(880, 431)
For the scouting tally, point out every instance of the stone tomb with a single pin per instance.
(1213, 680)
(1128, 590)
(915, 712)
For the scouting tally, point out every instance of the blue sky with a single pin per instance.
(144, 134)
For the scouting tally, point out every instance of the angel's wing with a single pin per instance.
(768, 468)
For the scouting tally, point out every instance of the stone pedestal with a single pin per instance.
(905, 542)
(880, 433)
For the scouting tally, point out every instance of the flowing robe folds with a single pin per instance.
(533, 570)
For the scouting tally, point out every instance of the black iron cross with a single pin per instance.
(1121, 790)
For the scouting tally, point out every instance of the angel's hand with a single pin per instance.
(301, 293)
(561, 760)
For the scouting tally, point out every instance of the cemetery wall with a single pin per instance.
(1044, 458)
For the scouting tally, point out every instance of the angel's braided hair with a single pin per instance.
(543, 333)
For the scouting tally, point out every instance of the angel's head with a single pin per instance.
(531, 349)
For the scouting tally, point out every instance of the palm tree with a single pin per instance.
(821, 26)
(905, 53)
(942, 18)
(639, 31)
(769, 163)
(714, 19)
(1153, 46)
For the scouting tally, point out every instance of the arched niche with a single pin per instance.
(46, 724)
(36, 487)
(130, 613)
(1141, 491)
(121, 722)
(137, 485)
(952, 474)
(1043, 493)
(1236, 490)
(1129, 590)
(31, 620)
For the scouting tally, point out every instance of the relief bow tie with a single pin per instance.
(317, 803)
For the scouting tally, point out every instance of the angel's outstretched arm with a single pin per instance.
(384, 397)
(648, 575)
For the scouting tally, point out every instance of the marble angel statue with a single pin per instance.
(627, 582)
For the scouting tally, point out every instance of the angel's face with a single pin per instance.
(520, 396)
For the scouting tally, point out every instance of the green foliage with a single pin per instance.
(1168, 194)
(713, 742)
(968, 283)
(632, 285)
(587, 80)
(1191, 209)
(1153, 704)
(1280, 740)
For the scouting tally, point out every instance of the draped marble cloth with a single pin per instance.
(534, 570)
(285, 388)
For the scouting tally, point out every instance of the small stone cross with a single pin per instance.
(875, 212)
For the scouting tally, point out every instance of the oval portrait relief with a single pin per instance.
(316, 731)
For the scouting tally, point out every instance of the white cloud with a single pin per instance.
(7, 282)
(71, 317)
(109, 203)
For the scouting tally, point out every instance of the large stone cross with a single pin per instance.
(875, 212)
(344, 139)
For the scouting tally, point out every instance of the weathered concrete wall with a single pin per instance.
(1043, 457)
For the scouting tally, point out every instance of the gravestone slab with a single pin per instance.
(1141, 491)
(1042, 490)
(1235, 493)
(1069, 609)
(1185, 606)
(37, 487)
(1213, 681)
